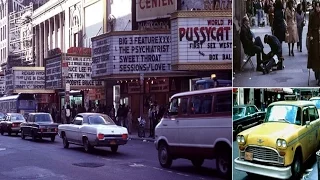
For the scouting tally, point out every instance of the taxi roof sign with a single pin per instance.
(290, 97)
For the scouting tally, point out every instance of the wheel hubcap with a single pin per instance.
(86, 145)
(223, 166)
(297, 167)
(163, 156)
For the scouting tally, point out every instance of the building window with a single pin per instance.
(76, 40)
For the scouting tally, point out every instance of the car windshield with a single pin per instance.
(100, 119)
(43, 118)
(283, 113)
(317, 102)
(238, 112)
(17, 117)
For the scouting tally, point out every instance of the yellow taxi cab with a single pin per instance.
(280, 146)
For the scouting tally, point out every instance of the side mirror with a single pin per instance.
(308, 123)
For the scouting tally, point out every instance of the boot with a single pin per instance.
(289, 50)
(259, 62)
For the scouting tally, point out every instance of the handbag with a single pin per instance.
(286, 37)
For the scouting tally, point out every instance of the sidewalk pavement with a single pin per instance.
(295, 73)
(134, 136)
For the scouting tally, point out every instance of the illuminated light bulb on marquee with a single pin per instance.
(117, 82)
(131, 80)
(151, 82)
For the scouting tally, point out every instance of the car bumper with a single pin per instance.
(15, 129)
(110, 142)
(269, 171)
(46, 134)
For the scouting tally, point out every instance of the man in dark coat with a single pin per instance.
(250, 46)
(276, 49)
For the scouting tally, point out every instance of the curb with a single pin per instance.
(142, 139)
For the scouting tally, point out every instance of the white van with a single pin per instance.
(197, 126)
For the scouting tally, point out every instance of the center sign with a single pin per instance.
(127, 54)
(202, 40)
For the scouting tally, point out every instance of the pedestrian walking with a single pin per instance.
(300, 16)
(271, 15)
(129, 120)
(314, 38)
(292, 31)
(259, 9)
(279, 23)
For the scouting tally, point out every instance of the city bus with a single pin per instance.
(20, 103)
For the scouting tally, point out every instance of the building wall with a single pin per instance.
(189, 4)
(93, 21)
(121, 10)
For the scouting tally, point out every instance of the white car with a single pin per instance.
(93, 129)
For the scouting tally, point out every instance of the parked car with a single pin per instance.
(39, 125)
(197, 127)
(280, 146)
(246, 116)
(2, 116)
(11, 123)
(316, 101)
(93, 129)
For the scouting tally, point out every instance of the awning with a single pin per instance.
(280, 90)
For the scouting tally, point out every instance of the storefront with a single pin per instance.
(276, 94)
(72, 70)
(137, 65)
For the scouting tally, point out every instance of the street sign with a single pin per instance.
(68, 87)
(65, 71)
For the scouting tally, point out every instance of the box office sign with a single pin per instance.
(29, 79)
(79, 75)
(151, 9)
(203, 39)
(132, 54)
(53, 73)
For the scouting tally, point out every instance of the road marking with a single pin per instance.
(157, 168)
(136, 165)
(2, 149)
(183, 174)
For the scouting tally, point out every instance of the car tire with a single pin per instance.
(1, 131)
(53, 138)
(197, 162)
(17, 134)
(86, 145)
(9, 133)
(224, 162)
(65, 142)
(114, 149)
(164, 156)
(296, 167)
(22, 135)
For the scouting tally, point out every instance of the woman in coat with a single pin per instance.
(279, 27)
(290, 16)
(300, 16)
(314, 40)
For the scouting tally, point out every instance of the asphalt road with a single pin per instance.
(44, 160)
(240, 175)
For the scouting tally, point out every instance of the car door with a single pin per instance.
(313, 116)
(4, 123)
(306, 136)
(169, 126)
(73, 129)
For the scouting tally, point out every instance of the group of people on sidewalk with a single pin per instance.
(287, 20)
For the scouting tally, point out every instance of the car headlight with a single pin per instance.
(281, 143)
(240, 139)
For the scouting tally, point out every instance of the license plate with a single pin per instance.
(248, 156)
(113, 142)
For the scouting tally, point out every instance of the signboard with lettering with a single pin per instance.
(141, 54)
(79, 51)
(54, 52)
(101, 57)
(9, 80)
(148, 53)
(29, 79)
(150, 9)
(79, 76)
(53, 73)
(157, 24)
(202, 39)
(2, 84)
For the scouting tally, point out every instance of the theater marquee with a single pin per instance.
(202, 40)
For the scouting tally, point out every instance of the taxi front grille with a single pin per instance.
(265, 155)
